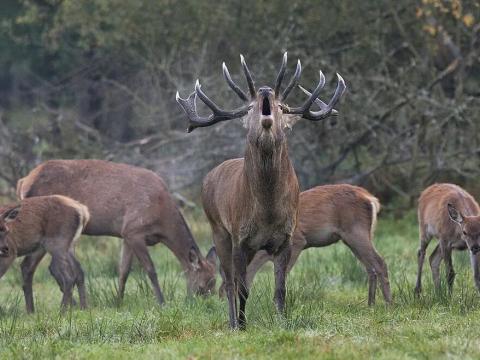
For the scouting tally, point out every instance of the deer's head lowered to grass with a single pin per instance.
(7, 216)
(111, 191)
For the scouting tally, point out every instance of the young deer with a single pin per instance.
(39, 225)
(450, 214)
(327, 214)
(128, 202)
(251, 203)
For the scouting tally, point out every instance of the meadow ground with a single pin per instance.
(327, 314)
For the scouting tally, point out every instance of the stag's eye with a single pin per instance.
(464, 233)
(266, 107)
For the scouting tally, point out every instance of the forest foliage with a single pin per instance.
(97, 79)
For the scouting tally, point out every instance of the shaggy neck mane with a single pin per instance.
(266, 174)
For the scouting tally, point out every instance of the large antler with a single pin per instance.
(325, 109)
(189, 105)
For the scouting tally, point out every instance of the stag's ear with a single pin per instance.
(290, 120)
(194, 260)
(11, 214)
(212, 256)
(454, 214)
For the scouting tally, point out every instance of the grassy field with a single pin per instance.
(327, 314)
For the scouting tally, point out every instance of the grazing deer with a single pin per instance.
(128, 202)
(450, 214)
(39, 225)
(327, 214)
(251, 203)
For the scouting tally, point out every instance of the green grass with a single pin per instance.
(327, 315)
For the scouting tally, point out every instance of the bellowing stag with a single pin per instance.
(251, 203)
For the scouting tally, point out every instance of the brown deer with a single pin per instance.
(251, 203)
(39, 225)
(128, 202)
(450, 214)
(327, 214)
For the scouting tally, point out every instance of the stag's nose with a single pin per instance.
(475, 249)
(267, 123)
(4, 251)
(265, 91)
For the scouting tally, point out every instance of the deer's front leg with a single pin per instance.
(240, 261)
(280, 262)
(476, 270)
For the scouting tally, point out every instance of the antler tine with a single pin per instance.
(307, 104)
(232, 84)
(189, 105)
(325, 109)
(293, 81)
(339, 91)
(318, 102)
(251, 84)
(281, 74)
(198, 90)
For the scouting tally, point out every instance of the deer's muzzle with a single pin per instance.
(475, 249)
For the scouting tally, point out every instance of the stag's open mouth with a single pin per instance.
(266, 118)
(266, 110)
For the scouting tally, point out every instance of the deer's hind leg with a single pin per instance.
(62, 268)
(138, 245)
(362, 247)
(64, 273)
(124, 268)
(79, 280)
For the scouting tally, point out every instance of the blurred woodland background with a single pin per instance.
(97, 79)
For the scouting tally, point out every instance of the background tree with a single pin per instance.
(97, 78)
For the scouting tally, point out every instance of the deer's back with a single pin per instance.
(46, 217)
(432, 208)
(114, 193)
(330, 212)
